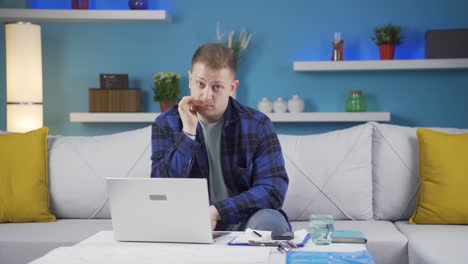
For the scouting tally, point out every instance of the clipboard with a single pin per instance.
(249, 238)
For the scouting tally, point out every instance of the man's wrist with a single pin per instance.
(216, 212)
(192, 134)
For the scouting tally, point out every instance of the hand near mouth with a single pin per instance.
(188, 108)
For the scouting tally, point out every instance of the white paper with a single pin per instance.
(249, 235)
(170, 254)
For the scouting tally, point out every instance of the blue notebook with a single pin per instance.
(348, 236)
(303, 257)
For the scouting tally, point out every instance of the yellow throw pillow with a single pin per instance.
(24, 195)
(443, 172)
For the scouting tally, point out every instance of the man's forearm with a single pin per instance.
(175, 162)
(236, 208)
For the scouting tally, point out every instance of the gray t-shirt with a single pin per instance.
(212, 135)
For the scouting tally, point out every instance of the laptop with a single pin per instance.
(160, 210)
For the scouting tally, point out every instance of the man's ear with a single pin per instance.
(234, 86)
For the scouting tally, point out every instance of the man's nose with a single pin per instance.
(206, 95)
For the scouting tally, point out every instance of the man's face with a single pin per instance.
(213, 87)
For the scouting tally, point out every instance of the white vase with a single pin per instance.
(280, 105)
(265, 105)
(296, 104)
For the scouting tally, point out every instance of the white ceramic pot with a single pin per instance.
(280, 105)
(296, 104)
(265, 105)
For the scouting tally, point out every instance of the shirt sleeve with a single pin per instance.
(172, 153)
(269, 180)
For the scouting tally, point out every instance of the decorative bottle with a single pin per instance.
(79, 4)
(355, 102)
(265, 105)
(296, 104)
(280, 105)
(138, 4)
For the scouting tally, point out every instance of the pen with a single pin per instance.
(257, 233)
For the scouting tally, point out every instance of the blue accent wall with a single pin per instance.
(283, 31)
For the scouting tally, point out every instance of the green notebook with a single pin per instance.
(348, 236)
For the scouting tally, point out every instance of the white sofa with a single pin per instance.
(366, 176)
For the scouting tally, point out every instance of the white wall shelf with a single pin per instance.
(113, 117)
(377, 65)
(330, 117)
(275, 117)
(89, 15)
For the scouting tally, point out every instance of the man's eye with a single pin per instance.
(216, 87)
(200, 84)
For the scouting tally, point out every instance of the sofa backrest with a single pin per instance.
(329, 173)
(78, 167)
(363, 172)
(395, 158)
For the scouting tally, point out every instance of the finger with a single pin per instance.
(188, 101)
(185, 100)
(198, 102)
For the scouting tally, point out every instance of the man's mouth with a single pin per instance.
(204, 107)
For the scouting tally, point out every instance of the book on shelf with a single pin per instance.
(348, 236)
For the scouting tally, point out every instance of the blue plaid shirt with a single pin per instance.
(251, 159)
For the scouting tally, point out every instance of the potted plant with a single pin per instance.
(166, 89)
(387, 37)
(238, 43)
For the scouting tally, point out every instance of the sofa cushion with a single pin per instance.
(429, 244)
(24, 194)
(23, 242)
(78, 167)
(385, 242)
(444, 177)
(329, 173)
(395, 170)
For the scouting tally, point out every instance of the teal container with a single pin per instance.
(355, 102)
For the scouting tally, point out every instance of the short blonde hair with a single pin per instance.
(216, 56)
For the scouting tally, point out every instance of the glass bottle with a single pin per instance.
(355, 102)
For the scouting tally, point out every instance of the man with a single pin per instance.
(211, 135)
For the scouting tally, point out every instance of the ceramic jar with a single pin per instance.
(265, 105)
(280, 105)
(296, 104)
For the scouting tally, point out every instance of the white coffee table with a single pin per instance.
(102, 247)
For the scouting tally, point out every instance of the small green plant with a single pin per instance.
(387, 34)
(166, 86)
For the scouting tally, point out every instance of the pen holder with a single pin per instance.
(337, 54)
